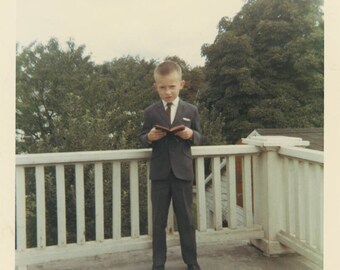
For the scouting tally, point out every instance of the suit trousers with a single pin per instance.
(180, 191)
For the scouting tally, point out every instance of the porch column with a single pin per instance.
(268, 180)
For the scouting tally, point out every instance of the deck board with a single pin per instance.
(232, 255)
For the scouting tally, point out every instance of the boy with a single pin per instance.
(171, 168)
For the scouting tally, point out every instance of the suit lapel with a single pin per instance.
(161, 111)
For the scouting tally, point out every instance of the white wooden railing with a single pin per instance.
(287, 185)
(288, 196)
(303, 202)
(137, 161)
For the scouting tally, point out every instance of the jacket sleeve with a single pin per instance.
(197, 138)
(147, 126)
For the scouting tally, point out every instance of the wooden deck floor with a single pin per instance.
(238, 255)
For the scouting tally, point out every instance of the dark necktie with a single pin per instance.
(168, 111)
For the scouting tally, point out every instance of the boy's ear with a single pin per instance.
(154, 86)
(182, 83)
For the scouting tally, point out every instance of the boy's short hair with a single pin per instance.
(166, 68)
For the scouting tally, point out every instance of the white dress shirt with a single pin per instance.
(174, 107)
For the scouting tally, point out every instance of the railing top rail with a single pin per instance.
(224, 150)
(124, 155)
(303, 154)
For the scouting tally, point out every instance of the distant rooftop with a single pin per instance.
(313, 135)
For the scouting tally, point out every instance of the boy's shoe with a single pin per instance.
(194, 267)
(158, 268)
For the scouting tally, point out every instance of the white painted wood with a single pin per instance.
(41, 207)
(116, 200)
(20, 208)
(301, 248)
(82, 157)
(314, 206)
(302, 153)
(223, 150)
(302, 201)
(307, 236)
(286, 191)
(297, 211)
(222, 165)
(61, 204)
(200, 195)
(275, 140)
(231, 172)
(307, 201)
(227, 234)
(118, 244)
(120, 155)
(247, 191)
(319, 208)
(80, 203)
(99, 201)
(309, 208)
(217, 196)
(149, 198)
(134, 199)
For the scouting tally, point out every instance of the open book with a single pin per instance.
(172, 130)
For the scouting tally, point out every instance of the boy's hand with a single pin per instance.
(155, 135)
(185, 134)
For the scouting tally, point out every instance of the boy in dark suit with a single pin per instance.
(171, 168)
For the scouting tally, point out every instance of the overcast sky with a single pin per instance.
(115, 28)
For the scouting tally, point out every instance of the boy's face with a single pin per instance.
(168, 86)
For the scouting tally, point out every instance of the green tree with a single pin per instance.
(67, 103)
(50, 86)
(265, 67)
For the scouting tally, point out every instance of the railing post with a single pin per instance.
(268, 182)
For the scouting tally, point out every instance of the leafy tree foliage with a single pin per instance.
(67, 103)
(50, 84)
(265, 67)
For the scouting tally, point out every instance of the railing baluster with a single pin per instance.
(41, 207)
(232, 218)
(80, 204)
(299, 202)
(297, 210)
(134, 199)
(285, 177)
(247, 192)
(217, 195)
(116, 200)
(99, 198)
(61, 208)
(319, 208)
(200, 199)
(290, 198)
(307, 200)
(20, 208)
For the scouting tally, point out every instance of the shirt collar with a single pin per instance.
(174, 103)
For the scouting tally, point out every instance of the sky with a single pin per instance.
(113, 28)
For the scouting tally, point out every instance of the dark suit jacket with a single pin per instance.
(171, 152)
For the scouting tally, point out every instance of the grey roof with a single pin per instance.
(313, 135)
